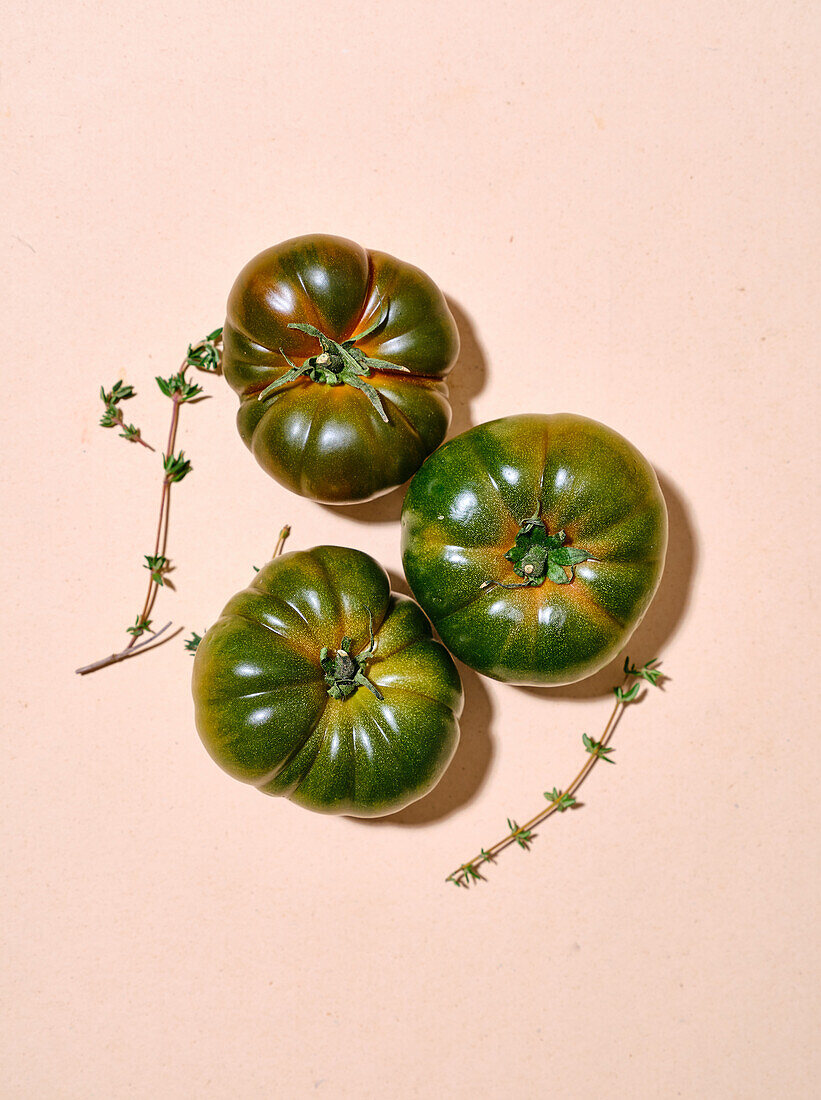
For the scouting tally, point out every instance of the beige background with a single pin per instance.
(620, 200)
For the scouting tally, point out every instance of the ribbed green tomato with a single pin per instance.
(354, 399)
(319, 684)
(535, 545)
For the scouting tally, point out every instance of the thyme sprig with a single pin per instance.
(626, 693)
(113, 415)
(206, 356)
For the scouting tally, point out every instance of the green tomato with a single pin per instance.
(319, 684)
(535, 545)
(349, 404)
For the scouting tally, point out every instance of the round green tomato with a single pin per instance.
(535, 545)
(339, 357)
(319, 684)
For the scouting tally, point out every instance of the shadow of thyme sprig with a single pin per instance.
(523, 835)
(205, 356)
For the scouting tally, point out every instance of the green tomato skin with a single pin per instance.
(461, 515)
(326, 442)
(261, 702)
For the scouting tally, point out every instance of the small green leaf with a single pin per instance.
(361, 679)
(309, 330)
(595, 748)
(353, 362)
(534, 521)
(648, 671)
(205, 355)
(560, 555)
(157, 564)
(575, 555)
(193, 642)
(521, 835)
(383, 364)
(176, 386)
(556, 573)
(188, 390)
(371, 395)
(119, 392)
(289, 376)
(176, 466)
(562, 801)
(626, 696)
(378, 322)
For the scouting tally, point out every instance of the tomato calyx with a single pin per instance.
(339, 363)
(536, 555)
(344, 672)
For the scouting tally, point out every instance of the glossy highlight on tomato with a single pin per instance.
(355, 398)
(319, 684)
(535, 544)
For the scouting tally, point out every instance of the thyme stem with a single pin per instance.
(161, 539)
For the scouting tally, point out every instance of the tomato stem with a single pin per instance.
(536, 555)
(283, 535)
(337, 364)
(344, 673)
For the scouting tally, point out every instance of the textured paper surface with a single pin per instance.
(621, 202)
